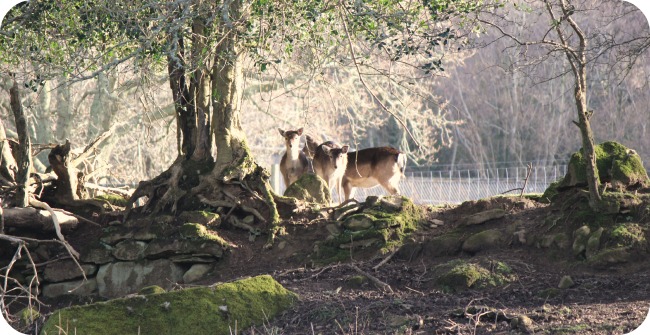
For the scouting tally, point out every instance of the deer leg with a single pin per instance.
(389, 187)
(348, 190)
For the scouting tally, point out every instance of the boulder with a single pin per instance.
(617, 165)
(485, 216)
(358, 222)
(122, 278)
(202, 310)
(129, 250)
(76, 287)
(311, 188)
(580, 239)
(98, 253)
(196, 272)
(484, 240)
(66, 270)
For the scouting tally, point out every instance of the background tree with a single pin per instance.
(583, 50)
(204, 46)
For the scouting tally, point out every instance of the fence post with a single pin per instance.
(275, 178)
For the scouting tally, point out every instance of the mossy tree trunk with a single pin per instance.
(578, 61)
(207, 94)
(24, 154)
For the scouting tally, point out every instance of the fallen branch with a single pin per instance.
(105, 189)
(372, 278)
(385, 260)
(57, 227)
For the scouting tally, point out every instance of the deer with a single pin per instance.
(330, 161)
(294, 163)
(311, 145)
(371, 167)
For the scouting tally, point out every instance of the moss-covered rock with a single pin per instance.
(388, 231)
(458, 275)
(27, 316)
(617, 165)
(487, 239)
(610, 257)
(550, 192)
(444, 245)
(627, 235)
(580, 238)
(593, 243)
(153, 289)
(195, 231)
(204, 310)
(311, 188)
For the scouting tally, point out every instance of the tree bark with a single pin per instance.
(64, 112)
(8, 166)
(578, 62)
(185, 112)
(24, 154)
(37, 219)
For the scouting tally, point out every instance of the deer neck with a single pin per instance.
(293, 154)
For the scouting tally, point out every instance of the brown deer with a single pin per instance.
(330, 161)
(294, 163)
(310, 146)
(371, 167)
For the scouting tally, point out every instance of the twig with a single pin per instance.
(372, 278)
(530, 168)
(385, 260)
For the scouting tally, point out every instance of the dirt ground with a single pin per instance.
(404, 300)
(604, 301)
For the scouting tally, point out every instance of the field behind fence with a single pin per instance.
(456, 186)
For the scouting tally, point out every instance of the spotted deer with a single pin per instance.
(371, 167)
(330, 161)
(294, 163)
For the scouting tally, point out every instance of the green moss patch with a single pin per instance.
(375, 229)
(311, 188)
(627, 234)
(195, 231)
(616, 164)
(204, 310)
(113, 199)
(458, 275)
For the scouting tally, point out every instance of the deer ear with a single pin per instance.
(281, 131)
(344, 149)
(299, 131)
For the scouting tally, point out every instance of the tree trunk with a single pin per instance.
(200, 88)
(233, 179)
(8, 165)
(64, 111)
(588, 145)
(24, 154)
(67, 184)
(578, 61)
(185, 113)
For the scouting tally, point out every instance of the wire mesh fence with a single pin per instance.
(456, 186)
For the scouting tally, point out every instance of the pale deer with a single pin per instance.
(371, 167)
(330, 162)
(294, 163)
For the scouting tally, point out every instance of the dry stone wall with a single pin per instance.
(136, 254)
